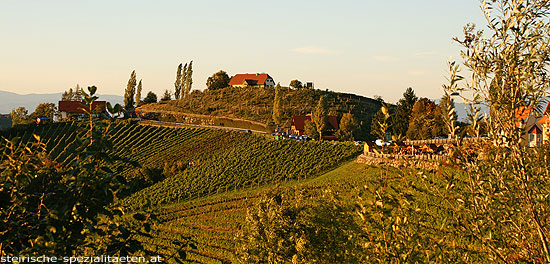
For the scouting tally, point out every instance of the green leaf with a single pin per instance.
(92, 89)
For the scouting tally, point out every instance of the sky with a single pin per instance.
(364, 47)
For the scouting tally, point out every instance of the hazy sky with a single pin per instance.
(365, 47)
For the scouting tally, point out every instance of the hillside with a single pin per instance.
(214, 222)
(188, 162)
(10, 101)
(257, 105)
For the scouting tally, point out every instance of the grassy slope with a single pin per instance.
(214, 221)
(257, 104)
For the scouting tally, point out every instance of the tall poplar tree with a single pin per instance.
(130, 92)
(278, 105)
(138, 94)
(320, 117)
(178, 82)
(189, 78)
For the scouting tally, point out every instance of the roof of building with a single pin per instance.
(522, 113)
(299, 122)
(249, 78)
(77, 107)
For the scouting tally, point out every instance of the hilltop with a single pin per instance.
(256, 104)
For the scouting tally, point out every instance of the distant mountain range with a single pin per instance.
(10, 101)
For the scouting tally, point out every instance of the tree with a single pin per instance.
(320, 117)
(130, 92)
(290, 228)
(296, 84)
(380, 124)
(278, 105)
(217, 81)
(150, 98)
(166, 96)
(78, 94)
(426, 120)
(20, 116)
(178, 82)
(67, 95)
(138, 94)
(310, 129)
(403, 110)
(188, 78)
(48, 208)
(347, 128)
(503, 207)
(44, 110)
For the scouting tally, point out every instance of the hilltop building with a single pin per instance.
(299, 123)
(260, 80)
(75, 108)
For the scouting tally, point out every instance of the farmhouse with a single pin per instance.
(537, 127)
(299, 123)
(76, 108)
(260, 80)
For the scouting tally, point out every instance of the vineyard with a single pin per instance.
(208, 179)
(195, 161)
(213, 222)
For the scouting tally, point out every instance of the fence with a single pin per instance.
(432, 157)
(441, 141)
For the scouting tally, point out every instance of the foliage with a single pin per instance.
(71, 95)
(130, 92)
(296, 84)
(217, 81)
(188, 80)
(20, 116)
(138, 94)
(347, 128)
(426, 120)
(287, 229)
(392, 224)
(380, 124)
(184, 80)
(48, 208)
(311, 130)
(167, 96)
(505, 205)
(150, 98)
(320, 117)
(114, 111)
(45, 110)
(401, 118)
(278, 105)
(178, 82)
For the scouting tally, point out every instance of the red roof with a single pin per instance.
(521, 114)
(543, 120)
(76, 107)
(298, 122)
(250, 79)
